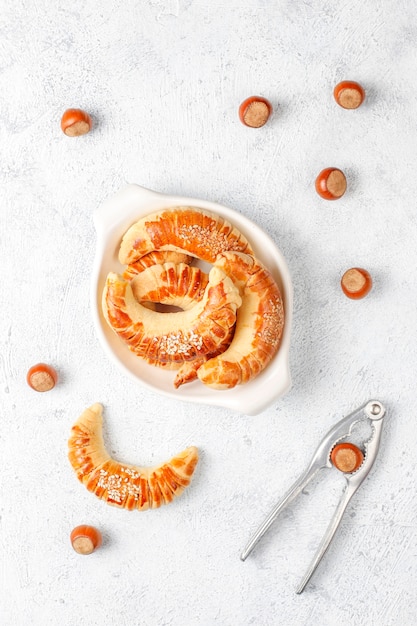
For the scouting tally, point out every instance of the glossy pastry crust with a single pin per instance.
(221, 339)
(155, 258)
(119, 484)
(170, 339)
(171, 284)
(259, 324)
(184, 229)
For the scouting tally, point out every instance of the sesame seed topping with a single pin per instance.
(211, 240)
(272, 324)
(180, 342)
(120, 487)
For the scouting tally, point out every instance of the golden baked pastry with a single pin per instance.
(172, 338)
(259, 324)
(196, 232)
(125, 486)
(171, 284)
(188, 370)
(202, 340)
(154, 258)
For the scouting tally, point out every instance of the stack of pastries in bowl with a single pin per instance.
(227, 323)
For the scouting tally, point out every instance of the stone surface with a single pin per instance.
(163, 81)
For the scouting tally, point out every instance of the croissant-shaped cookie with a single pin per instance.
(154, 258)
(172, 284)
(259, 324)
(172, 338)
(185, 229)
(124, 486)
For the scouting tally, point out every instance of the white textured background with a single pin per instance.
(163, 81)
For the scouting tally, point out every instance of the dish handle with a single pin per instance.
(127, 202)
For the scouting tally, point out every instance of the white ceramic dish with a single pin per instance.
(111, 220)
